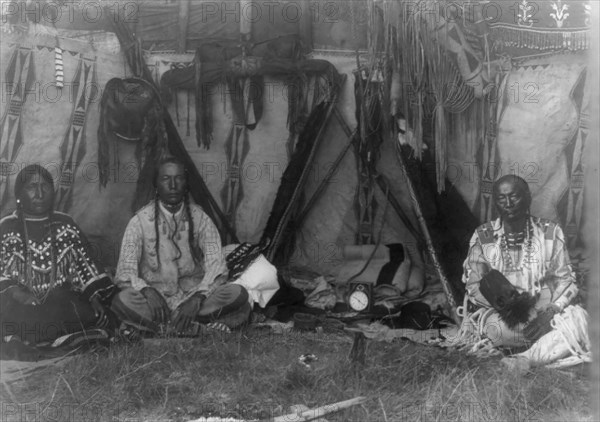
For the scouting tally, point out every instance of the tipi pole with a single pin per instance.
(429, 243)
(293, 200)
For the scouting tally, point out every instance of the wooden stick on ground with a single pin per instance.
(319, 412)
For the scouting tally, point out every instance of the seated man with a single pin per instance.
(171, 266)
(518, 274)
(49, 283)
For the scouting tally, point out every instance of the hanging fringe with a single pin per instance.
(395, 93)
(42, 280)
(431, 86)
(440, 133)
(416, 139)
(409, 61)
(538, 39)
(449, 91)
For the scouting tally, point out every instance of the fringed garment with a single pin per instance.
(543, 264)
(57, 254)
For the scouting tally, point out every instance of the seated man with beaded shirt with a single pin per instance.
(530, 253)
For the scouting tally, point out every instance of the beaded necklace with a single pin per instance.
(28, 254)
(175, 235)
(523, 241)
(170, 208)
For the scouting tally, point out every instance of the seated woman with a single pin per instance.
(520, 283)
(50, 284)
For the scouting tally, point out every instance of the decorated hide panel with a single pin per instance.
(333, 221)
(538, 134)
(57, 129)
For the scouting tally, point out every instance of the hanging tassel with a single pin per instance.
(58, 67)
(395, 93)
(417, 142)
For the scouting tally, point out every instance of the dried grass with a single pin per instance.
(253, 375)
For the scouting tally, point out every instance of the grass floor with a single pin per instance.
(253, 374)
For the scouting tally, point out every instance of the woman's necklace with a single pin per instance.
(40, 292)
(522, 243)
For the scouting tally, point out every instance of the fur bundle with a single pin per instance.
(513, 306)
